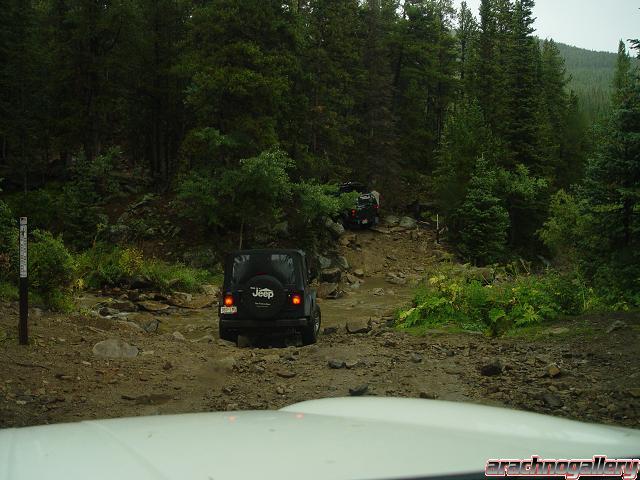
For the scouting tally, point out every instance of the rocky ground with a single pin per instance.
(171, 360)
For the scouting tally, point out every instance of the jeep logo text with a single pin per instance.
(262, 292)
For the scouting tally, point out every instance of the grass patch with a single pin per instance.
(8, 292)
(455, 297)
(109, 266)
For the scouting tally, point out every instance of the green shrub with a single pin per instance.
(109, 266)
(52, 270)
(8, 292)
(8, 244)
(480, 225)
(454, 297)
(166, 277)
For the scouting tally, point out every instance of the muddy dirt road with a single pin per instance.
(573, 369)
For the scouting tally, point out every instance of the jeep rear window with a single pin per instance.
(278, 265)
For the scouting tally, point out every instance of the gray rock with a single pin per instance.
(108, 312)
(205, 339)
(324, 262)
(151, 306)
(391, 220)
(336, 364)
(286, 374)
(358, 272)
(130, 325)
(358, 326)
(428, 395)
(210, 290)
(152, 326)
(330, 330)
(225, 364)
(551, 400)
(331, 275)
(124, 306)
(617, 325)
(342, 263)
(395, 279)
(114, 348)
(226, 343)
(336, 229)
(407, 222)
(359, 390)
(416, 358)
(492, 368)
(553, 371)
(258, 369)
(379, 292)
(178, 337)
(351, 364)
(328, 291)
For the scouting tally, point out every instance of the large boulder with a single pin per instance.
(114, 348)
(336, 229)
(324, 262)
(328, 291)
(408, 223)
(342, 263)
(391, 220)
(331, 275)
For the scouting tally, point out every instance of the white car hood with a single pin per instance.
(341, 438)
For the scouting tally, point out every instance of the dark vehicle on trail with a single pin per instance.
(267, 291)
(365, 213)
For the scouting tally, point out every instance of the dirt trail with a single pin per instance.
(60, 379)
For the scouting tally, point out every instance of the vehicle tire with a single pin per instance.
(310, 333)
(264, 296)
(227, 335)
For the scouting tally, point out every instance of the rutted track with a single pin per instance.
(60, 379)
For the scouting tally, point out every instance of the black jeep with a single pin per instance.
(365, 212)
(267, 291)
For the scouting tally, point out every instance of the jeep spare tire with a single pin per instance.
(264, 296)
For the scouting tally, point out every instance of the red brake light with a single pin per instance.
(296, 299)
(353, 213)
(228, 301)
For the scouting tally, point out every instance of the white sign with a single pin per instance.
(23, 247)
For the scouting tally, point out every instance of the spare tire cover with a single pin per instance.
(264, 296)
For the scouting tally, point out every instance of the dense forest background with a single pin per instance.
(243, 111)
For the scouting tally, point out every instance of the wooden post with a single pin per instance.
(438, 229)
(23, 329)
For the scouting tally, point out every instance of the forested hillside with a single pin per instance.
(591, 78)
(241, 113)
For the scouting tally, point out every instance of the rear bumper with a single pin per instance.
(258, 325)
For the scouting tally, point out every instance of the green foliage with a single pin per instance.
(451, 296)
(561, 230)
(315, 201)
(80, 205)
(52, 270)
(8, 244)
(8, 291)
(481, 223)
(108, 266)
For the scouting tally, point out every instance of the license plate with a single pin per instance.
(365, 221)
(228, 310)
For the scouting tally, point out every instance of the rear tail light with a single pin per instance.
(228, 301)
(296, 299)
(353, 213)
